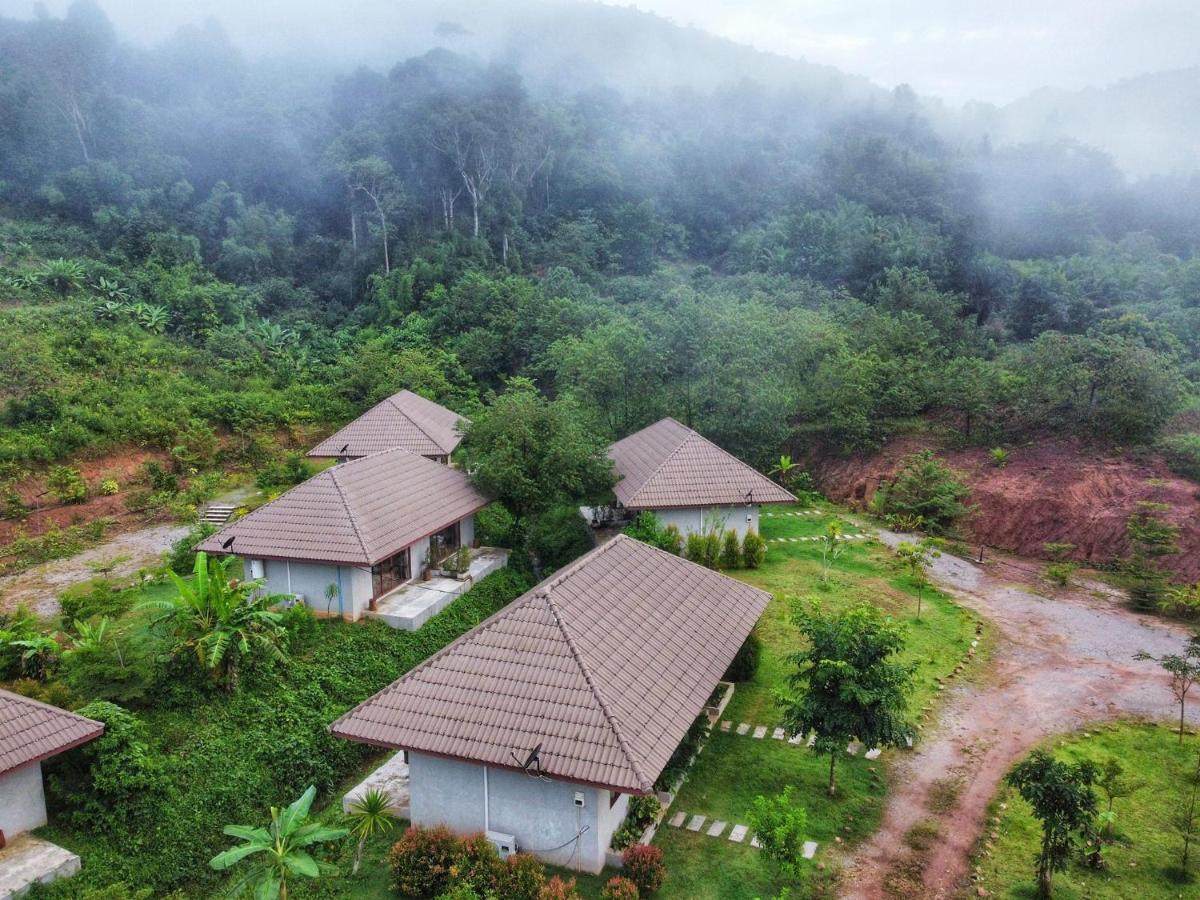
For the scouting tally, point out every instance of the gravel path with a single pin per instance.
(1058, 664)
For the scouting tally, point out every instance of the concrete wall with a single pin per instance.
(22, 802)
(541, 813)
(693, 520)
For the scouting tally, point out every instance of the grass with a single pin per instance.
(1144, 861)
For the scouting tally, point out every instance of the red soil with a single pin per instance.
(1058, 491)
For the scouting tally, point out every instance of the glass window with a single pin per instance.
(390, 573)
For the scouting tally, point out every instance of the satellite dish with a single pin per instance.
(345, 447)
(229, 543)
(533, 760)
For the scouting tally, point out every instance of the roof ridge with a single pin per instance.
(666, 459)
(646, 783)
(14, 697)
(408, 415)
(349, 510)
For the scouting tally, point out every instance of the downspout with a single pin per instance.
(288, 564)
(341, 612)
(487, 824)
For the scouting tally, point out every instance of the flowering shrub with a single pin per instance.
(423, 861)
(644, 865)
(558, 889)
(619, 888)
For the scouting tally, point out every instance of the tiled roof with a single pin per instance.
(355, 513)
(668, 465)
(606, 664)
(31, 731)
(405, 420)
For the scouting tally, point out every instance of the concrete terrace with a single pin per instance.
(411, 605)
(29, 860)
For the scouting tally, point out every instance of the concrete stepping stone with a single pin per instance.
(872, 753)
(812, 739)
(908, 742)
(677, 819)
(738, 834)
(754, 842)
(853, 747)
(743, 728)
(760, 732)
(778, 734)
(696, 822)
(810, 849)
(715, 829)
(726, 725)
(796, 740)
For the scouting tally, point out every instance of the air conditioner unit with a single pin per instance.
(505, 844)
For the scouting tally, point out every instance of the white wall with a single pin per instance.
(540, 812)
(693, 519)
(22, 801)
(283, 576)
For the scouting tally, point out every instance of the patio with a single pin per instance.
(28, 860)
(414, 603)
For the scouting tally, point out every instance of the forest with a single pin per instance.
(193, 242)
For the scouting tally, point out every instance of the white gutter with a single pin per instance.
(487, 825)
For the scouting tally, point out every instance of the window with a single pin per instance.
(445, 542)
(390, 573)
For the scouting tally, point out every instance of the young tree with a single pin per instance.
(917, 558)
(1114, 782)
(847, 683)
(282, 844)
(370, 815)
(781, 825)
(1187, 818)
(925, 488)
(1184, 669)
(1063, 801)
(833, 542)
(1152, 538)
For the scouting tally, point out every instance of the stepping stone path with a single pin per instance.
(810, 849)
(738, 834)
(726, 725)
(743, 728)
(796, 740)
(715, 829)
(760, 732)
(872, 754)
(696, 822)
(677, 819)
(777, 734)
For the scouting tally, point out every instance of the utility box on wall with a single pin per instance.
(505, 844)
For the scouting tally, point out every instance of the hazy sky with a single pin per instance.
(994, 50)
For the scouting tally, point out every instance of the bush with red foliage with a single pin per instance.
(644, 866)
(619, 888)
(480, 865)
(557, 889)
(521, 878)
(424, 860)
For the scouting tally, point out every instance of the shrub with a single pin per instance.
(559, 536)
(642, 811)
(521, 878)
(1060, 573)
(619, 888)
(745, 663)
(558, 889)
(780, 826)
(495, 526)
(109, 487)
(754, 549)
(66, 484)
(711, 550)
(13, 507)
(111, 667)
(694, 549)
(999, 457)
(95, 597)
(731, 550)
(112, 782)
(292, 469)
(480, 865)
(422, 860)
(461, 890)
(648, 529)
(672, 540)
(688, 747)
(1183, 454)
(643, 863)
(181, 558)
(160, 480)
(927, 488)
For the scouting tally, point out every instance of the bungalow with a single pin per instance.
(538, 725)
(688, 481)
(31, 731)
(404, 420)
(356, 531)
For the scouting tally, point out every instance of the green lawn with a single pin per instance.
(1144, 863)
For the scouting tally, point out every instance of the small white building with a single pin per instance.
(689, 482)
(538, 725)
(405, 420)
(355, 532)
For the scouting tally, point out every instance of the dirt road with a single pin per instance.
(1058, 664)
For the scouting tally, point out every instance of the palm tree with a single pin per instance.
(370, 815)
(61, 276)
(281, 845)
(222, 620)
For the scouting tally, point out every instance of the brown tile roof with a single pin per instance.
(31, 731)
(355, 513)
(606, 664)
(405, 420)
(668, 465)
